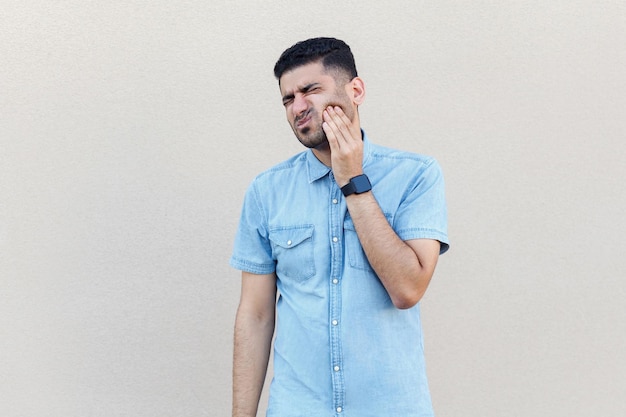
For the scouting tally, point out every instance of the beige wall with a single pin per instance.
(129, 131)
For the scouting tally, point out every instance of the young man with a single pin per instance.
(349, 233)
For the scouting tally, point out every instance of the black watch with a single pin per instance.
(357, 185)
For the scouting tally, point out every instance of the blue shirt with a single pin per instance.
(341, 347)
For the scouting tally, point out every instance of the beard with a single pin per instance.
(313, 135)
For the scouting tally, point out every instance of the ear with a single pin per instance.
(356, 90)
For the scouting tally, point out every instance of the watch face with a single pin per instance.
(357, 185)
(361, 184)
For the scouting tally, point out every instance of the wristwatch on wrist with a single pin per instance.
(357, 185)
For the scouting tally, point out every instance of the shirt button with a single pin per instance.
(335, 322)
(339, 409)
(289, 243)
(335, 239)
(335, 281)
(335, 201)
(336, 368)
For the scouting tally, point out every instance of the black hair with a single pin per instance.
(333, 53)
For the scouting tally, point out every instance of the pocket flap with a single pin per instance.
(291, 236)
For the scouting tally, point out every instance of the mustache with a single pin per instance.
(303, 116)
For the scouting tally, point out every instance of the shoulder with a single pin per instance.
(385, 155)
(285, 167)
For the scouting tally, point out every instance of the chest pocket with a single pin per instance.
(292, 248)
(355, 253)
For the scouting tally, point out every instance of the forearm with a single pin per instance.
(404, 268)
(253, 337)
(402, 273)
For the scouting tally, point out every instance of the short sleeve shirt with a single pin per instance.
(341, 347)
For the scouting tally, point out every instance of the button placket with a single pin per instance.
(337, 213)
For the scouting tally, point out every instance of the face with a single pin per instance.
(307, 90)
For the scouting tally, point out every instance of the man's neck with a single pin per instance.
(323, 155)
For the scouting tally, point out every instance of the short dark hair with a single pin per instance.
(333, 53)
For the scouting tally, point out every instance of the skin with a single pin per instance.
(254, 328)
(306, 92)
(322, 109)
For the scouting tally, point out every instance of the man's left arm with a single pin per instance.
(404, 267)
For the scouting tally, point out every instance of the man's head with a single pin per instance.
(334, 54)
(313, 75)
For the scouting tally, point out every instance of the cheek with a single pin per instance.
(289, 115)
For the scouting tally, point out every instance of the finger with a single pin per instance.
(341, 123)
(342, 115)
(331, 129)
(330, 135)
(334, 125)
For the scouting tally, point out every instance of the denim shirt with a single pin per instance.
(341, 347)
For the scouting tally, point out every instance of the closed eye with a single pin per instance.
(311, 88)
(307, 89)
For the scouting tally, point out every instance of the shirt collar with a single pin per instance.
(317, 170)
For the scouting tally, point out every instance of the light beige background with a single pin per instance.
(129, 131)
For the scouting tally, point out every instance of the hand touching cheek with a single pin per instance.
(346, 145)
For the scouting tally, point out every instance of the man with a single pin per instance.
(349, 233)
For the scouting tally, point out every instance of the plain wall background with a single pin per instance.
(130, 130)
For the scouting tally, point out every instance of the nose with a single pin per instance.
(299, 105)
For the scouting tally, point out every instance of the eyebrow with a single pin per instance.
(303, 89)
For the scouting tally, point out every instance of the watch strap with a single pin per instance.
(357, 185)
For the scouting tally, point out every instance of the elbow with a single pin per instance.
(413, 290)
(407, 300)
(404, 305)
(410, 294)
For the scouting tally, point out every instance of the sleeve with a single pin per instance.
(252, 251)
(422, 213)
